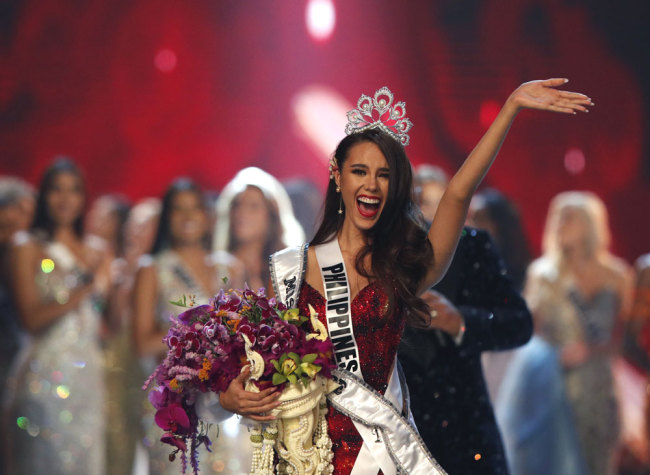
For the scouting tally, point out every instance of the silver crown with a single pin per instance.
(380, 113)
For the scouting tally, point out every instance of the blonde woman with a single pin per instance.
(578, 292)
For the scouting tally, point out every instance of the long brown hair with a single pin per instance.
(398, 246)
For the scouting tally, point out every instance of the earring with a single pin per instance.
(338, 190)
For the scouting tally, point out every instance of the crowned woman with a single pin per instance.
(366, 267)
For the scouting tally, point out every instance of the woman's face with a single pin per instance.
(363, 180)
(249, 216)
(65, 199)
(188, 220)
(572, 228)
(103, 221)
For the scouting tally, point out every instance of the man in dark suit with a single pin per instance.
(474, 309)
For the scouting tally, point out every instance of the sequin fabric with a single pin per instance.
(377, 340)
(449, 398)
(55, 402)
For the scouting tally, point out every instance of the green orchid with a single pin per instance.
(292, 315)
(290, 367)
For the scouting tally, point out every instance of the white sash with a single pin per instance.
(401, 441)
(391, 442)
(383, 429)
(287, 269)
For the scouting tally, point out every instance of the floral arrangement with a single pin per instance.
(209, 345)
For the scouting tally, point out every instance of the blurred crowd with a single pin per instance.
(85, 292)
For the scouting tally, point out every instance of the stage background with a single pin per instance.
(141, 91)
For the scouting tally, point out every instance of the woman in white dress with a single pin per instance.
(54, 415)
(255, 219)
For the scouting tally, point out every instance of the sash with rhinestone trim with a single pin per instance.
(389, 440)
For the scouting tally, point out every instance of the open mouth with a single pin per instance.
(368, 206)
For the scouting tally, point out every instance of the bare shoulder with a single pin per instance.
(146, 267)
(617, 269)
(24, 247)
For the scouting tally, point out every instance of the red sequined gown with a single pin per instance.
(377, 344)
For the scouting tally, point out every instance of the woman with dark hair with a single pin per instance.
(255, 219)
(492, 211)
(56, 390)
(366, 268)
(180, 264)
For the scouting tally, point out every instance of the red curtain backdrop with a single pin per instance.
(141, 91)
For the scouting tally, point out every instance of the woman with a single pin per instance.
(578, 292)
(376, 256)
(255, 219)
(180, 265)
(494, 212)
(56, 390)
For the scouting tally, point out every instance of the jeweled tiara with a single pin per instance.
(380, 113)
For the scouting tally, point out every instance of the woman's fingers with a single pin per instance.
(554, 82)
(249, 399)
(243, 376)
(261, 409)
(563, 110)
(261, 418)
(574, 96)
(571, 105)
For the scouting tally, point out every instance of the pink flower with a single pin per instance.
(173, 418)
(158, 397)
(194, 313)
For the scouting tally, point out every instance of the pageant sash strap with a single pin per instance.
(373, 451)
(365, 406)
(287, 269)
(338, 308)
(373, 454)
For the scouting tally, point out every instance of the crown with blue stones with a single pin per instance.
(380, 113)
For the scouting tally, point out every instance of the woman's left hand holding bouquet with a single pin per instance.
(246, 403)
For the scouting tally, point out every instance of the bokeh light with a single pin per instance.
(320, 17)
(165, 60)
(320, 116)
(57, 376)
(574, 161)
(488, 112)
(63, 391)
(47, 265)
(22, 422)
(65, 417)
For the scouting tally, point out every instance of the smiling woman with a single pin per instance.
(365, 184)
(55, 397)
(370, 260)
(180, 264)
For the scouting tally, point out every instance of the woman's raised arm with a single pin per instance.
(450, 216)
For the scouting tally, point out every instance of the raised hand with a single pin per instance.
(542, 95)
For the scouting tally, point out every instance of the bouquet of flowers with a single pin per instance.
(209, 345)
